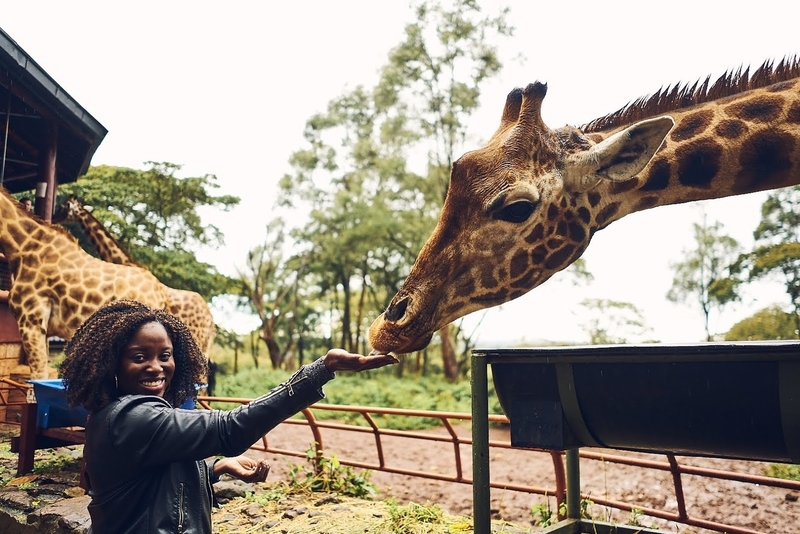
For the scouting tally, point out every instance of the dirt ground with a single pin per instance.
(744, 505)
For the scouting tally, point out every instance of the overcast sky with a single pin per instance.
(226, 88)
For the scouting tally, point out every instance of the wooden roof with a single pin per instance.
(30, 102)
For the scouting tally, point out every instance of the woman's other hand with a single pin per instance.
(242, 467)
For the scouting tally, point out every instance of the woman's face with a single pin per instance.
(146, 364)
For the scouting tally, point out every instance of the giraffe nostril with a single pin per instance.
(396, 310)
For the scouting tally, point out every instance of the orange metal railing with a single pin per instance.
(378, 434)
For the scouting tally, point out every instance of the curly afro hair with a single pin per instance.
(89, 368)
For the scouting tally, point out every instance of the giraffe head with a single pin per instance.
(517, 211)
(69, 210)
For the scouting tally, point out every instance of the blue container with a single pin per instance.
(52, 410)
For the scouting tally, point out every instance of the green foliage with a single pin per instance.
(413, 518)
(768, 323)
(323, 474)
(58, 463)
(785, 471)
(706, 274)
(613, 321)
(542, 515)
(155, 216)
(777, 251)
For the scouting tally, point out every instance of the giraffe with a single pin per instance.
(57, 285)
(188, 306)
(527, 204)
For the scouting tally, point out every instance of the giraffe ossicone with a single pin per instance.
(527, 204)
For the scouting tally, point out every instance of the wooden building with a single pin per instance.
(47, 139)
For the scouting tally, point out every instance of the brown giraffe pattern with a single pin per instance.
(57, 285)
(189, 306)
(527, 204)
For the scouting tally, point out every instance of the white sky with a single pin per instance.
(225, 88)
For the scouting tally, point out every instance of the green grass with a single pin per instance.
(785, 471)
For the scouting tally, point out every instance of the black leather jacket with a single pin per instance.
(146, 461)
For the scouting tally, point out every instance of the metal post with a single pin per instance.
(480, 446)
(573, 484)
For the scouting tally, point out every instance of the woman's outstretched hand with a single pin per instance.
(341, 360)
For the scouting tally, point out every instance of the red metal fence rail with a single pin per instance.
(378, 434)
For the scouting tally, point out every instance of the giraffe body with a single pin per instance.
(57, 285)
(527, 204)
(190, 307)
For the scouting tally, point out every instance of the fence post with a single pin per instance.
(480, 446)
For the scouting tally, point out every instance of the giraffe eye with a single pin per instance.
(516, 212)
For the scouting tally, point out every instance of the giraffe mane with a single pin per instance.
(681, 96)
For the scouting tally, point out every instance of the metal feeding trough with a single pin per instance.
(726, 400)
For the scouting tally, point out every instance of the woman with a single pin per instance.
(146, 462)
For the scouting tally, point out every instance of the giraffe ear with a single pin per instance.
(619, 157)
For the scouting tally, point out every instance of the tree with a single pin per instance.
(777, 246)
(705, 274)
(769, 323)
(155, 216)
(435, 76)
(268, 285)
(613, 321)
(369, 213)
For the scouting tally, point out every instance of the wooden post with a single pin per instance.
(27, 439)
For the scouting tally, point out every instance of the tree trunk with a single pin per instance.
(449, 363)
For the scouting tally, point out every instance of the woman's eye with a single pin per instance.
(516, 212)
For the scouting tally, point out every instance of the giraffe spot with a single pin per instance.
(559, 257)
(487, 279)
(552, 211)
(501, 295)
(765, 161)
(692, 125)
(524, 282)
(760, 109)
(577, 232)
(793, 115)
(657, 176)
(554, 243)
(698, 163)
(646, 203)
(584, 214)
(466, 289)
(561, 228)
(563, 203)
(519, 264)
(617, 188)
(94, 299)
(730, 129)
(594, 198)
(539, 254)
(606, 214)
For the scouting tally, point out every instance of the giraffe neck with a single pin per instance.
(107, 247)
(738, 144)
(20, 232)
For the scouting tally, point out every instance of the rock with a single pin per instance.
(227, 490)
